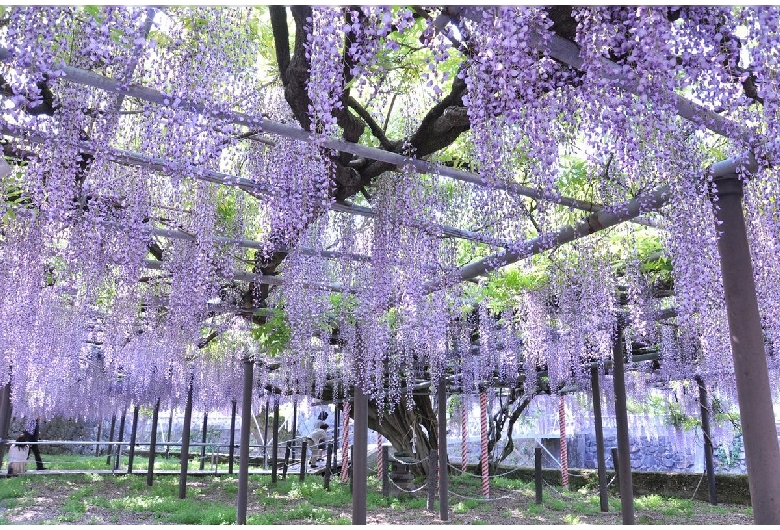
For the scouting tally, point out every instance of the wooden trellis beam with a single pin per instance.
(87, 78)
(133, 159)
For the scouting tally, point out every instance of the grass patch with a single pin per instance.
(465, 505)
(12, 488)
(556, 504)
(535, 509)
(571, 519)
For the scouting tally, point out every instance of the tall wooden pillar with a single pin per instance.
(120, 438)
(5, 417)
(153, 444)
(110, 440)
(243, 450)
(203, 440)
(600, 456)
(232, 448)
(762, 453)
(360, 457)
(709, 465)
(444, 485)
(133, 438)
(621, 418)
(185, 443)
(275, 442)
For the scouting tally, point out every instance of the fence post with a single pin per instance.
(326, 475)
(302, 472)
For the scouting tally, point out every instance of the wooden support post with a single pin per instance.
(600, 458)
(621, 419)
(385, 472)
(243, 448)
(133, 438)
(287, 453)
(153, 444)
(275, 442)
(5, 417)
(762, 453)
(111, 439)
(360, 457)
(99, 433)
(302, 471)
(185, 442)
(168, 437)
(705, 429)
(203, 440)
(265, 437)
(616, 466)
(328, 469)
(444, 507)
(294, 429)
(336, 417)
(120, 439)
(538, 474)
(232, 448)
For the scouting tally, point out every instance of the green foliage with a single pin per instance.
(274, 335)
(502, 289)
(663, 406)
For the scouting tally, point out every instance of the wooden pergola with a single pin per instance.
(728, 176)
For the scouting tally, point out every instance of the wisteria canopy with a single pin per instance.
(374, 196)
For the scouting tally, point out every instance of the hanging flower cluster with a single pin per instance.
(121, 247)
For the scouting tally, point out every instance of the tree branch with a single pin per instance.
(376, 130)
(281, 38)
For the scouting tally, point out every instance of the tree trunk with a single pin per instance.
(397, 428)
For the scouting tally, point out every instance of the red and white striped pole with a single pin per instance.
(345, 444)
(380, 462)
(484, 434)
(564, 451)
(464, 434)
